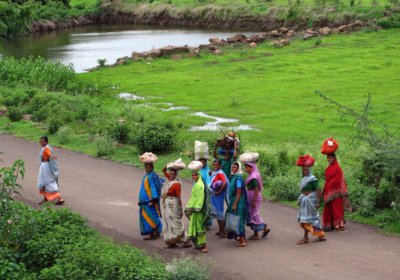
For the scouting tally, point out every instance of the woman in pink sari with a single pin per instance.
(254, 188)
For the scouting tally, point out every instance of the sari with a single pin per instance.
(308, 215)
(207, 178)
(200, 207)
(150, 216)
(174, 230)
(335, 194)
(218, 201)
(243, 207)
(256, 223)
(227, 166)
(48, 176)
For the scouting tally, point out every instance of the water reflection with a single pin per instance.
(84, 45)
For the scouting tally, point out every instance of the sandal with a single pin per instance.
(320, 239)
(240, 245)
(303, 241)
(338, 229)
(185, 246)
(253, 238)
(149, 238)
(265, 233)
(41, 202)
(201, 251)
(217, 233)
(222, 236)
(170, 246)
(60, 202)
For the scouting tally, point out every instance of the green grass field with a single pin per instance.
(274, 89)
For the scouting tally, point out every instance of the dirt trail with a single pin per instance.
(107, 193)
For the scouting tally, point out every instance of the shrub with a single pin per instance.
(286, 186)
(104, 146)
(119, 133)
(14, 114)
(384, 23)
(54, 125)
(65, 134)
(41, 115)
(156, 136)
(38, 101)
(186, 268)
(83, 113)
(101, 62)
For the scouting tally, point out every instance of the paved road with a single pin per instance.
(107, 193)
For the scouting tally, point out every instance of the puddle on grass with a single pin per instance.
(215, 125)
(129, 96)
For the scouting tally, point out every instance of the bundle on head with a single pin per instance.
(228, 141)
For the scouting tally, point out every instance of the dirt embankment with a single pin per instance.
(164, 17)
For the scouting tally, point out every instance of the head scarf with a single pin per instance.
(307, 179)
(177, 180)
(240, 171)
(254, 174)
(335, 184)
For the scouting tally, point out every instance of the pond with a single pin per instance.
(83, 46)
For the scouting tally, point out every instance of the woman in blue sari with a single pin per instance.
(149, 203)
(220, 189)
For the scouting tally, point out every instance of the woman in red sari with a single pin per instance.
(335, 194)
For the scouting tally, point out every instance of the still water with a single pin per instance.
(83, 46)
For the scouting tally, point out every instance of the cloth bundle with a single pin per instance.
(249, 157)
(195, 165)
(148, 158)
(201, 150)
(330, 146)
(306, 161)
(216, 186)
(177, 165)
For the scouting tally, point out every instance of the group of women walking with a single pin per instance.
(211, 191)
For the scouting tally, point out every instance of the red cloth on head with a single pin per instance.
(305, 161)
(330, 146)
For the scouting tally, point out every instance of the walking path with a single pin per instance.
(107, 193)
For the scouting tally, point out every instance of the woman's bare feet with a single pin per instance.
(242, 242)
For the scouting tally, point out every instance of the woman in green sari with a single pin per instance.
(238, 203)
(198, 211)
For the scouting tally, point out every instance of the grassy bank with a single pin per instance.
(270, 89)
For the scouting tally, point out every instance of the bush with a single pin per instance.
(119, 133)
(104, 146)
(10, 101)
(83, 113)
(41, 115)
(65, 134)
(54, 125)
(157, 136)
(101, 62)
(384, 23)
(14, 114)
(286, 185)
(186, 268)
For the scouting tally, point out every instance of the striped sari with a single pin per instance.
(150, 216)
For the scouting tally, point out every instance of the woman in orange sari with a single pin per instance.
(335, 194)
(48, 173)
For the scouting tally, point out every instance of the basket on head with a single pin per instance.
(148, 158)
(195, 165)
(249, 157)
(330, 146)
(177, 165)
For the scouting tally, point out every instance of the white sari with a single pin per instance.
(174, 230)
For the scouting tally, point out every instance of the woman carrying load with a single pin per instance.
(254, 188)
(335, 190)
(227, 159)
(174, 230)
(149, 203)
(48, 173)
(205, 170)
(219, 186)
(238, 203)
(308, 215)
(335, 194)
(198, 209)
